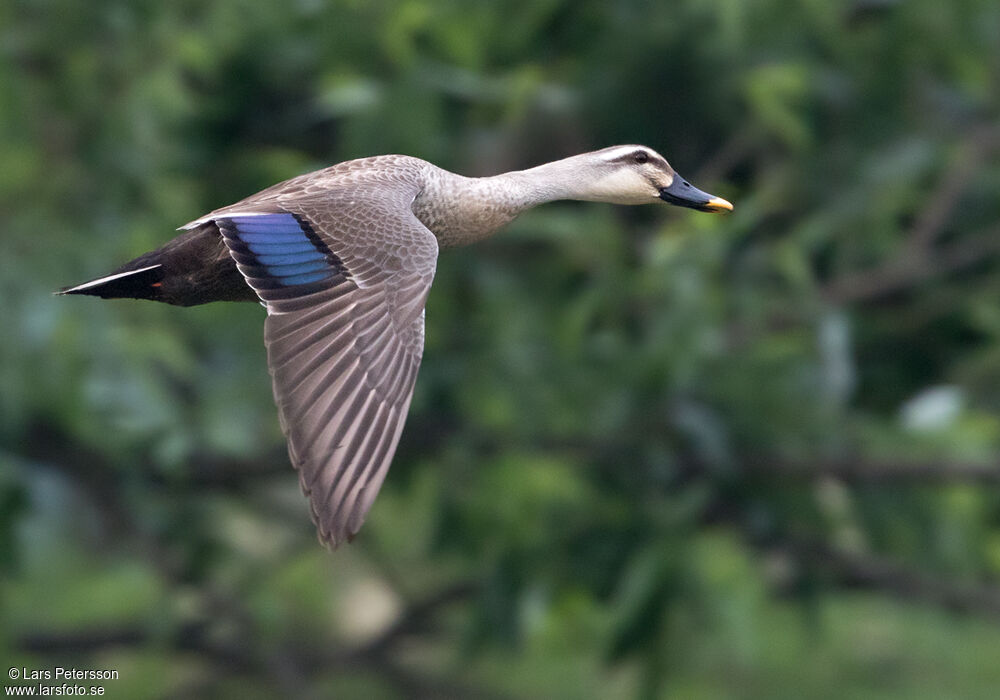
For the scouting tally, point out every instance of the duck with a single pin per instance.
(342, 259)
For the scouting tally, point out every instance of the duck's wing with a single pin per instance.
(344, 277)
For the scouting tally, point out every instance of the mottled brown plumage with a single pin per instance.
(343, 259)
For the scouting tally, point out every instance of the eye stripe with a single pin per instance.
(638, 153)
(625, 154)
(621, 152)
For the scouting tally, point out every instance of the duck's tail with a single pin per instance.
(143, 282)
(193, 268)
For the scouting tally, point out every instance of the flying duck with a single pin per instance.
(342, 259)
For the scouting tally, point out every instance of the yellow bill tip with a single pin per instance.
(718, 204)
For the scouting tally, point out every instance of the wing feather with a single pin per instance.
(344, 281)
(361, 417)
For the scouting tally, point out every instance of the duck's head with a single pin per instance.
(640, 175)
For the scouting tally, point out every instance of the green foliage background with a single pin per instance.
(652, 453)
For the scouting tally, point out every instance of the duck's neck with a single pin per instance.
(461, 210)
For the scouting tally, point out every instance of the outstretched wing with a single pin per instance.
(344, 280)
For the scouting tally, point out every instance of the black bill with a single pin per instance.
(684, 194)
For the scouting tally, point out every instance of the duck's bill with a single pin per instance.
(684, 194)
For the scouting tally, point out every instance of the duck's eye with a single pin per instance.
(640, 157)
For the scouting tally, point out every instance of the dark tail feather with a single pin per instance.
(143, 283)
(193, 268)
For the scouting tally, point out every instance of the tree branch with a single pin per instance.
(859, 570)
(416, 616)
(968, 160)
(295, 658)
(903, 272)
(919, 259)
(862, 470)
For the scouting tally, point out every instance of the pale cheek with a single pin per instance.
(624, 186)
(664, 181)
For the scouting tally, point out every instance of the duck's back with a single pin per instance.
(196, 267)
(364, 176)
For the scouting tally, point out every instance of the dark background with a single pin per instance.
(652, 452)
